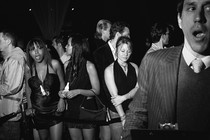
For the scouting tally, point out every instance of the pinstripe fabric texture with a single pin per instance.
(155, 100)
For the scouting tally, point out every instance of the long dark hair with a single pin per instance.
(80, 53)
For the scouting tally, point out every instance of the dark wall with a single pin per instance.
(139, 14)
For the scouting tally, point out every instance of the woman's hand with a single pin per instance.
(30, 111)
(61, 105)
(117, 100)
(62, 93)
(72, 93)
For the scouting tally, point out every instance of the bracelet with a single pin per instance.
(122, 118)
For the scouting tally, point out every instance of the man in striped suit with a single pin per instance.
(170, 92)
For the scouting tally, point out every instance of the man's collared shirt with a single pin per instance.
(112, 49)
(189, 57)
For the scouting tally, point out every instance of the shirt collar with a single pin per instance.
(111, 47)
(189, 57)
(206, 61)
(158, 45)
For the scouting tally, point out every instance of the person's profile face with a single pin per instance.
(69, 47)
(54, 44)
(3, 43)
(106, 32)
(166, 37)
(195, 23)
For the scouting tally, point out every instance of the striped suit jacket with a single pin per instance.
(154, 102)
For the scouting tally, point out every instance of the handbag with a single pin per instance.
(92, 110)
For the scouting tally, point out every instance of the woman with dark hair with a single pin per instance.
(44, 80)
(83, 83)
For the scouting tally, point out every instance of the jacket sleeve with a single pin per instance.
(12, 77)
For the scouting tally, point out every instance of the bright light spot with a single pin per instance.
(72, 9)
(29, 9)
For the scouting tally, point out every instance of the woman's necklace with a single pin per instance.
(124, 67)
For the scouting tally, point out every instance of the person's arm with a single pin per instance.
(93, 75)
(13, 77)
(29, 110)
(59, 71)
(110, 83)
(28, 89)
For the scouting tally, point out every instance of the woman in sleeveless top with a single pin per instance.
(82, 79)
(121, 81)
(44, 80)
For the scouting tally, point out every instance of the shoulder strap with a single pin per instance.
(97, 97)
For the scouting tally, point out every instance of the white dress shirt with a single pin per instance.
(189, 57)
(112, 49)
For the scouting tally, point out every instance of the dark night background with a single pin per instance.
(15, 15)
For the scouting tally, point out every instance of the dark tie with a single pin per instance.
(198, 65)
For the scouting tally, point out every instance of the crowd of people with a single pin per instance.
(45, 83)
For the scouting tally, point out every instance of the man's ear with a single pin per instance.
(7, 40)
(162, 37)
(179, 21)
(117, 34)
(59, 44)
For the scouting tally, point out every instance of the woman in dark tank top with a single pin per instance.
(121, 81)
(44, 81)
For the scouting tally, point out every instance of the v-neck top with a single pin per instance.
(51, 84)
